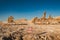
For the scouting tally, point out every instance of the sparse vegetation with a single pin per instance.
(19, 32)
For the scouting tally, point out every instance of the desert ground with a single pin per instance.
(30, 32)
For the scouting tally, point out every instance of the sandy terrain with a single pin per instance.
(32, 32)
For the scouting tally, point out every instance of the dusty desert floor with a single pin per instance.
(30, 32)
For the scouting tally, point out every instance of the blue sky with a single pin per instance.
(28, 8)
